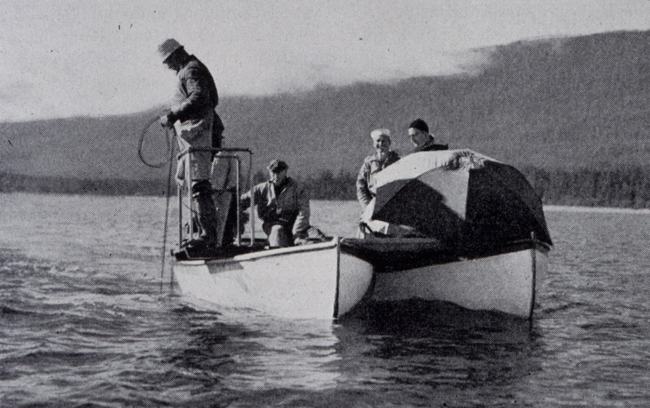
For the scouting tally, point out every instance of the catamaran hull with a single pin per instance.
(506, 282)
(316, 281)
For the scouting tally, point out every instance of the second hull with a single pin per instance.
(506, 282)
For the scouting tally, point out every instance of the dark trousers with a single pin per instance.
(206, 214)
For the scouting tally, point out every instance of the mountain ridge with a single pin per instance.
(559, 103)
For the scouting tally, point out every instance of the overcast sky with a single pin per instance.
(90, 57)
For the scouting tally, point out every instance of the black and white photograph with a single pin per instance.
(335, 203)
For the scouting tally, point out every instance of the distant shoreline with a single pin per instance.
(583, 209)
(605, 188)
(547, 207)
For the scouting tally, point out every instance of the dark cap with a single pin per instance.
(419, 124)
(277, 166)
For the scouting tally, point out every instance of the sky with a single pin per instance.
(98, 57)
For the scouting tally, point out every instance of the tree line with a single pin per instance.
(10, 183)
(627, 187)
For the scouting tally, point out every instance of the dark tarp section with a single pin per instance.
(502, 207)
(472, 209)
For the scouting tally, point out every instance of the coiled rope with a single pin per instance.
(169, 136)
(169, 147)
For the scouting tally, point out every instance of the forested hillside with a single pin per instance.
(561, 106)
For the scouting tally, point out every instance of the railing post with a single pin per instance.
(252, 207)
(188, 184)
(237, 193)
(180, 215)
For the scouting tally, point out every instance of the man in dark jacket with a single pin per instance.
(197, 125)
(282, 205)
(423, 140)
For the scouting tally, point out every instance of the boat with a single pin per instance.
(483, 242)
(315, 281)
(320, 280)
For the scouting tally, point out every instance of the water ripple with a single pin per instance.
(84, 323)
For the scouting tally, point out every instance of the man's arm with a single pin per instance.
(301, 225)
(363, 192)
(245, 199)
(198, 101)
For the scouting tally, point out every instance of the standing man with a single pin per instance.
(196, 124)
(423, 140)
(282, 205)
(382, 158)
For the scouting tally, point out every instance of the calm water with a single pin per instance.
(84, 323)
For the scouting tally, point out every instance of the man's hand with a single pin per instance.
(301, 238)
(167, 121)
(300, 241)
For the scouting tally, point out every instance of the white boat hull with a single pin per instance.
(505, 282)
(312, 281)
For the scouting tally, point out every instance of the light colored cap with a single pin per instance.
(167, 48)
(377, 133)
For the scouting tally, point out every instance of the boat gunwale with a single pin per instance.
(263, 253)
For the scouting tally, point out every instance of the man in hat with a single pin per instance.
(423, 141)
(197, 125)
(282, 205)
(378, 161)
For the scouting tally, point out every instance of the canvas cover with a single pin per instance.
(469, 202)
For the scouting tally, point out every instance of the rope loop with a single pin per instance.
(168, 157)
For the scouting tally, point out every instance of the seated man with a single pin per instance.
(282, 205)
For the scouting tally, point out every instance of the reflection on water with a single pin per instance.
(436, 344)
(415, 344)
(255, 352)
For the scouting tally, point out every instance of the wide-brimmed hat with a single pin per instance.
(167, 48)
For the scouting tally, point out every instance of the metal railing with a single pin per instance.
(185, 189)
